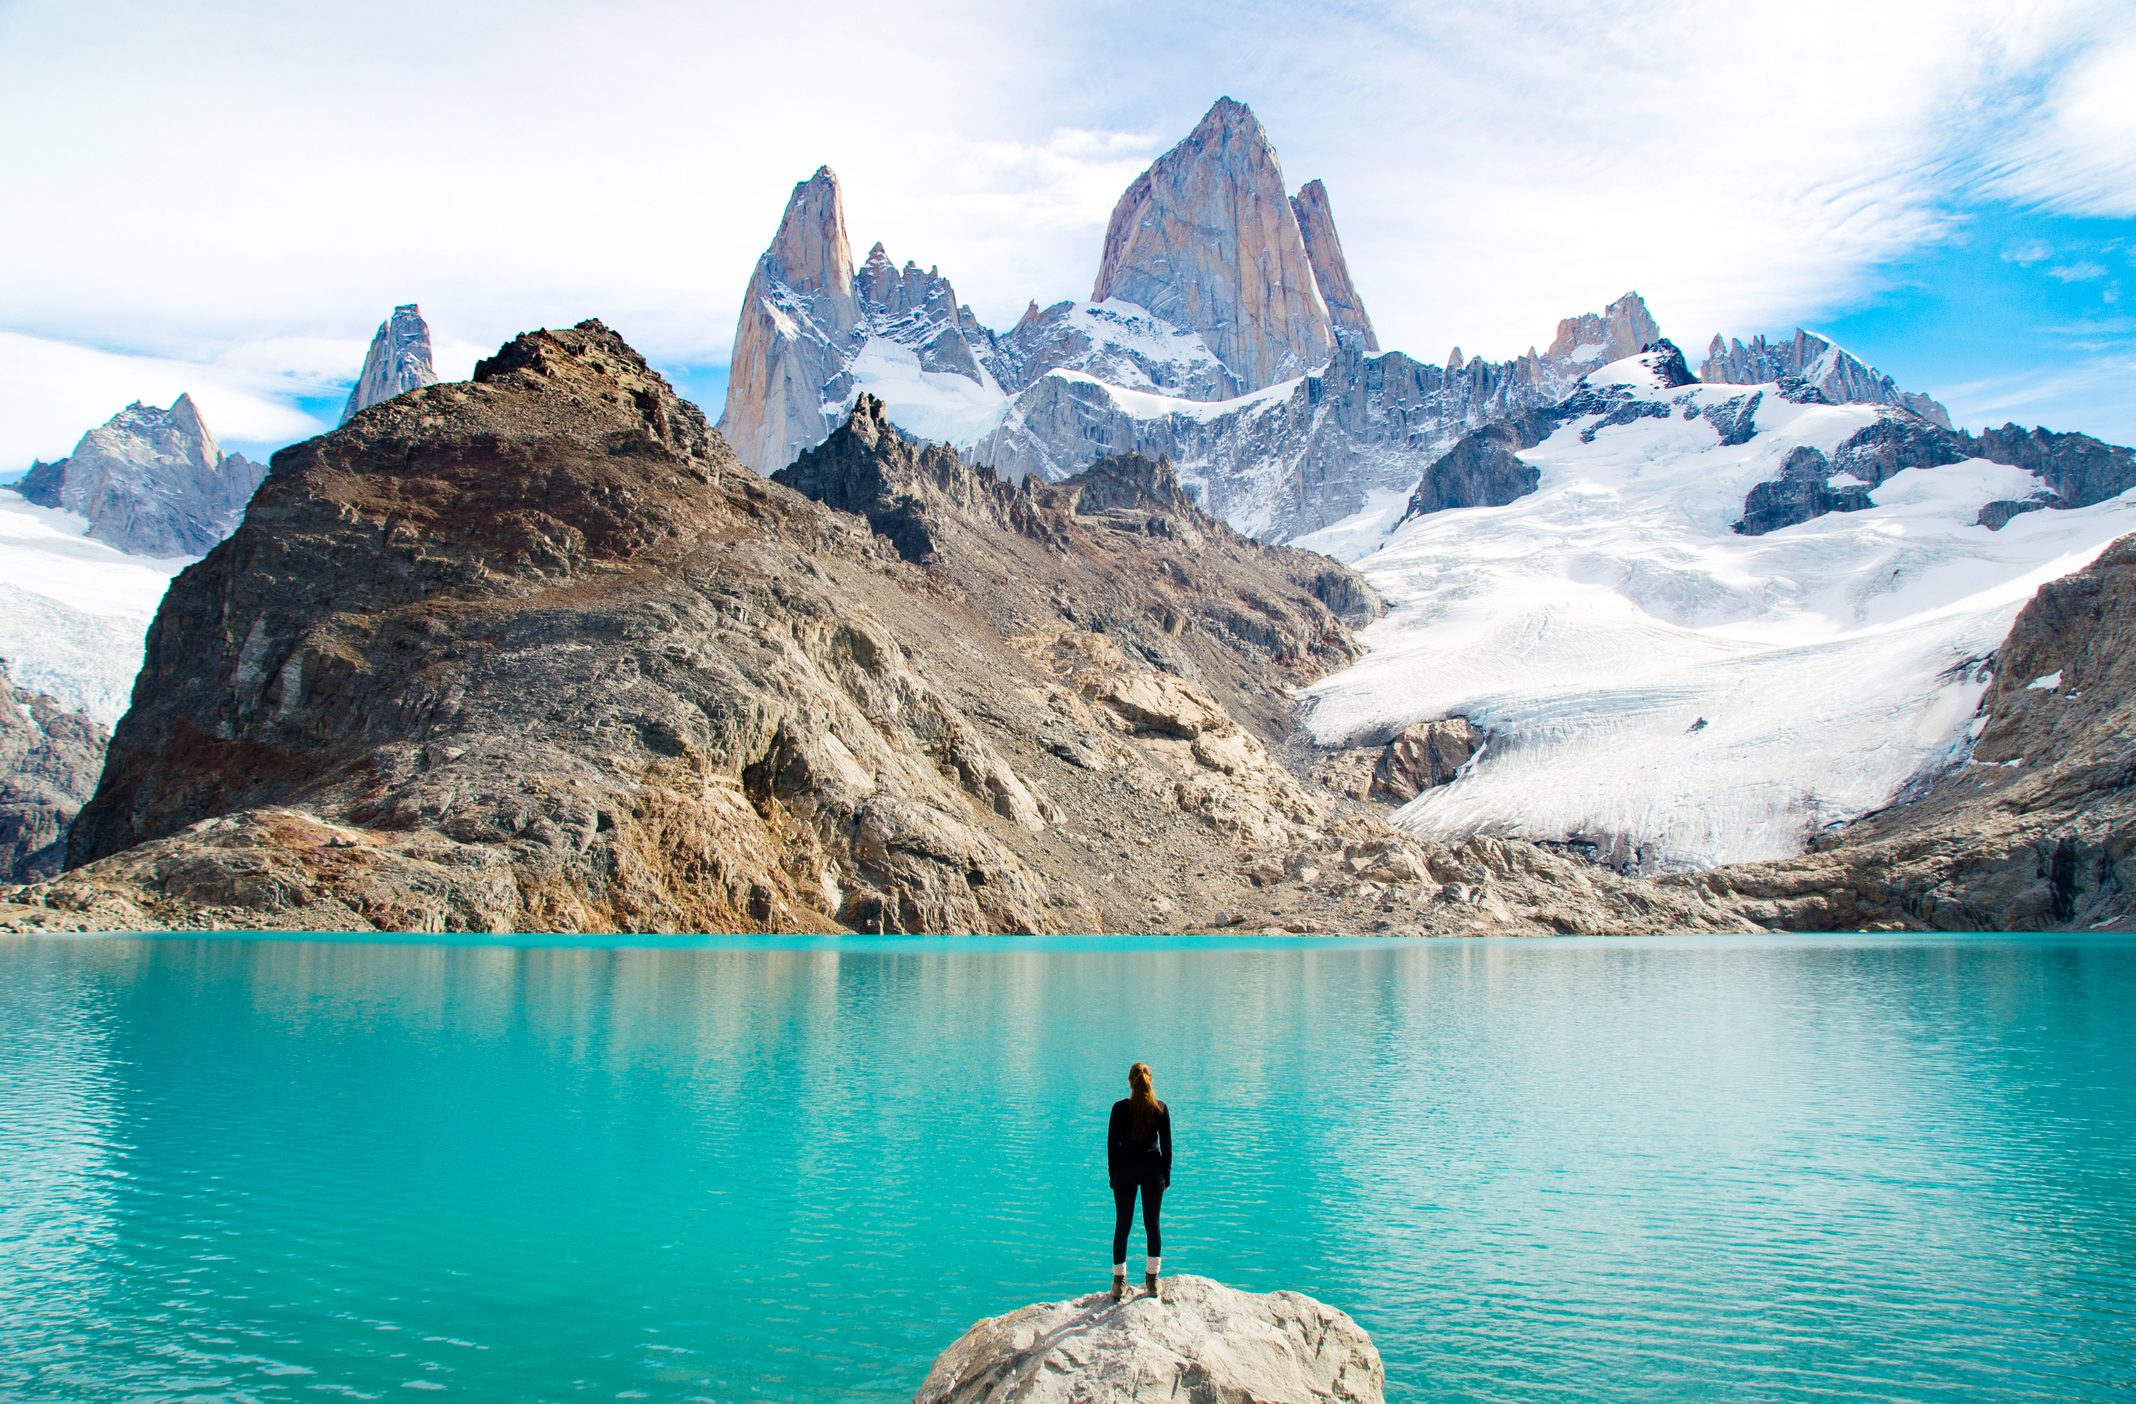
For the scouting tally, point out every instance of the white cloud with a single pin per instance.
(267, 181)
(2079, 272)
(51, 392)
(2076, 152)
(2030, 252)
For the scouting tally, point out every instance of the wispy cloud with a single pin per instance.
(1493, 166)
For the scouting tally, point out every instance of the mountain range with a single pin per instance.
(1223, 332)
(1183, 606)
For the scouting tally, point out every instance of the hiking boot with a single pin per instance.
(1151, 1279)
(1119, 1288)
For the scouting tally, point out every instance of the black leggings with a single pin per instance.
(1124, 1216)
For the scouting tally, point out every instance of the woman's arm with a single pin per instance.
(1115, 1142)
(1164, 1140)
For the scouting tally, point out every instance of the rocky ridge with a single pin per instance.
(1832, 372)
(49, 762)
(1202, 1341)
(573, 667)
(152, 482)
(398, 361)
(1483, 467)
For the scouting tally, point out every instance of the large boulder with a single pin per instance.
(1203, 1341)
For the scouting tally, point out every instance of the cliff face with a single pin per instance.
(797, 331)
(813, 329)
(49, 760)
(2036, 831)
(398, 361)
(1331, 271)
(1207, 240)
(152, 482)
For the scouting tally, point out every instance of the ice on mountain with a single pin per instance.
(2051, 682)
(1589, 626)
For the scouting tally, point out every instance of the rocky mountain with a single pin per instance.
(1207, 241)
(152, 482)
(537, 652)
(2034, 831)
(398, 361)
(1331, 271)
(1305, 455)
(812, 329)
(49, 761)
(1817, 363)
(1203, 1340)
(1269, 395)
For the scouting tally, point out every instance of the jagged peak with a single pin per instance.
(1130, 480)
(811, 253)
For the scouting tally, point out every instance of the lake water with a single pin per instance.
(1713, 1169)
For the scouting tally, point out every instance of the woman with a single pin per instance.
(1138, 1155)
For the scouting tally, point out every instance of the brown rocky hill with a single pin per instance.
(2035, 832)
(536, 652)
(1120, 549)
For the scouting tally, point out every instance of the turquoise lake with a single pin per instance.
(1848, 1168)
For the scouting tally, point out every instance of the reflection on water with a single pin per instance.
(1626, 1170)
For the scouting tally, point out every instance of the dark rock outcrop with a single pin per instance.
(2037, 832)
(49, 761)
(1425, 755)
(1484, 469)
(2075, 470)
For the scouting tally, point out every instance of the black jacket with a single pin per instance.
(1131, 1164)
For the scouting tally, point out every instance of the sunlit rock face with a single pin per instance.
(1331, 271)
(1833, 372)
(152, 482)
(398, 361)
(814, 332)
(1207, 240)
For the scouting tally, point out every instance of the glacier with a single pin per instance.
(1664, 690)
(74, 611)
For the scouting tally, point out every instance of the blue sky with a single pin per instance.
(226, 197)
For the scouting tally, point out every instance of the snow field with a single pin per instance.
(74, 612)
(1678, 694)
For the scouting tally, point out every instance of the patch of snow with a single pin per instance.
(1581, 355)
(939, 405)
(1588, 625)
(2052, 682)
(1362, 532)
(1144, 404)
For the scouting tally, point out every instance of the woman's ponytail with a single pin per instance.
(1142, 1104)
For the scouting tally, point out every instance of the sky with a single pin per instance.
(227, 197)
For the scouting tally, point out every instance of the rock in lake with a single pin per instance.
(1203, 1341)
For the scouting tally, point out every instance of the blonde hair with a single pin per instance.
(1142, 1103)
